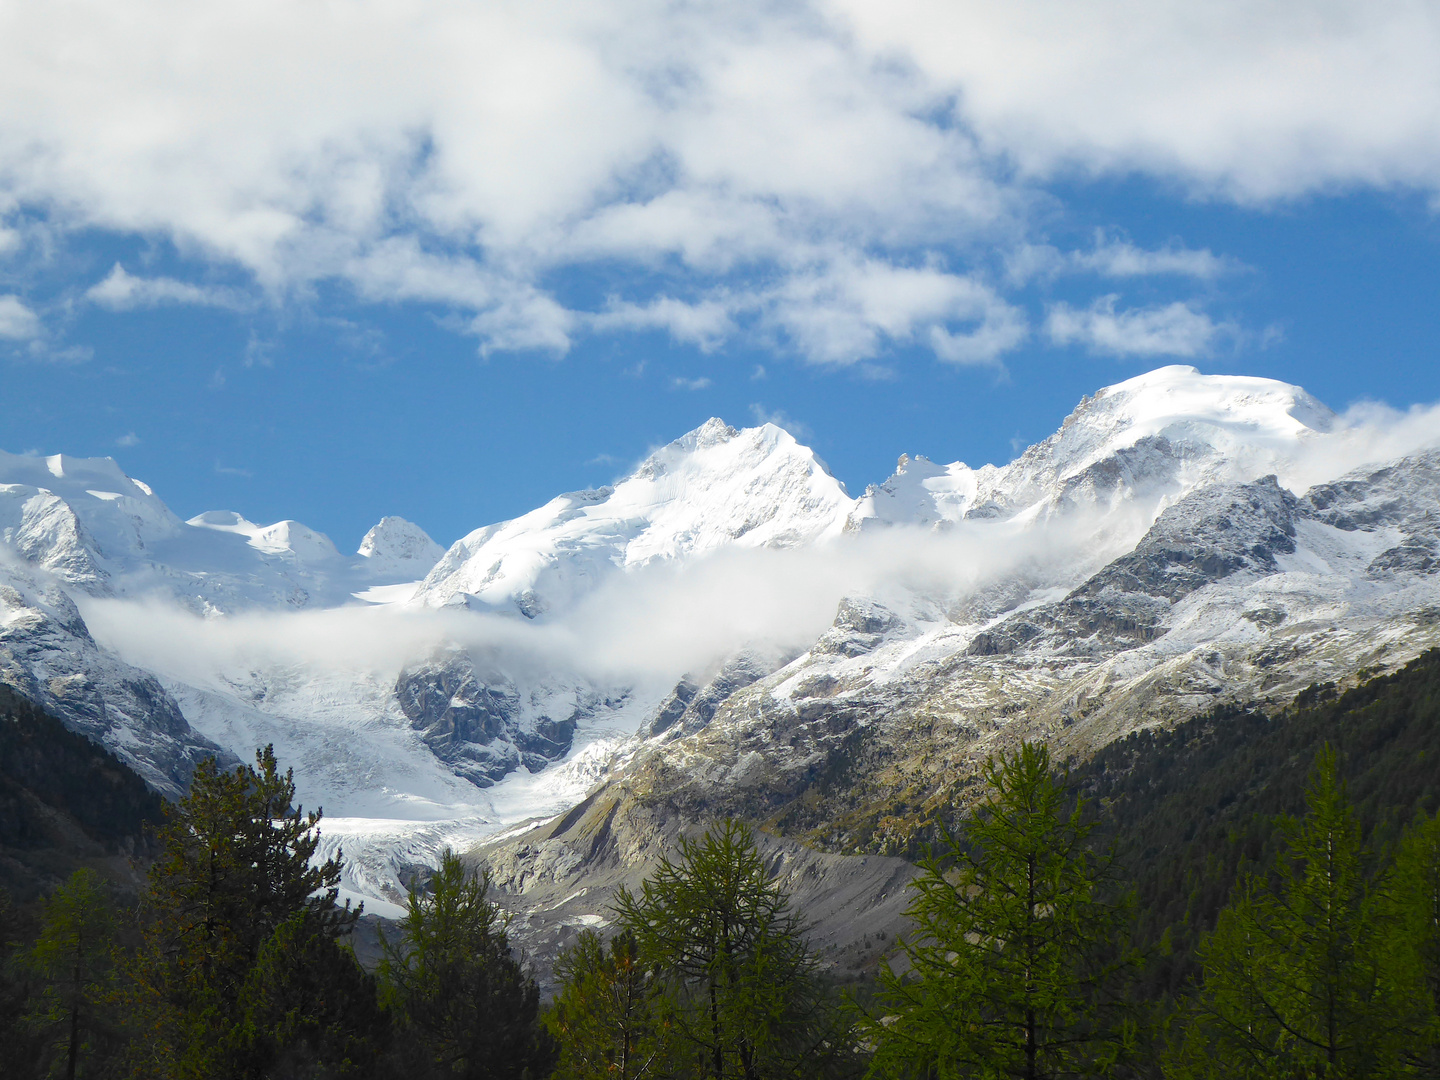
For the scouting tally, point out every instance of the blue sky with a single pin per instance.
(449, 260)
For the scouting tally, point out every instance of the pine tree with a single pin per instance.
(1413, 908)
(73, 959)
(462, 1000)
(1297, 975)
(745, 999)
(606, 1014)
(235, 867)
(310, 1011)
(1016, 963)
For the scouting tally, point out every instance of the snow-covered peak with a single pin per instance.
(712, 488)
(96, 529)
(1156, 436)
(1224, 412)
(393, 541)
(284, 538)
(79, 517)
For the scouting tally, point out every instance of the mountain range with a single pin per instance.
(727, 630)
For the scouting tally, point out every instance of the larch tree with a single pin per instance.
(744, 997)
(464, 1005)
(73, 957)
(1017, 961)
(1299, 975)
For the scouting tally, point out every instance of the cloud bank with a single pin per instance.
(817, 175)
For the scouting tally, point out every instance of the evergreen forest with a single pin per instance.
(1244, 895)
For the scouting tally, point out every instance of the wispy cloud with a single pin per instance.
(230, 470)
(701, 383)
(1176, 329)
(17, 321)
(1122, 259)
(781, 419)
(128, 440)
(847, 312)
(1116, 258)
(122, 291)
(705, 324)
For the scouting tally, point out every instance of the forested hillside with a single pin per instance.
(1191, 809)
(65, 802)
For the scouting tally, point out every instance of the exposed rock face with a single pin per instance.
(1403, 496)
(479, 724)
(48, 655)
(1206, 537)
(692, 705)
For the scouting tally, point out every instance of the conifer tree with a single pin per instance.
(744, 999)
(463, 1002)
(1298, 975)
(73, 959)
(1016, 962)
(1413, 907)
(310, 1011)
(607, 1013)
(235, 867)
(18, 1038)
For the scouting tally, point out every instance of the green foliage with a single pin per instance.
(1295, 975)
(1413, 905)
(742, 994)
(73, 1011)
(461, 998)
(1014, 970)
(234, 869)
(1192, 811)
(608, 1013)
(310, 1010)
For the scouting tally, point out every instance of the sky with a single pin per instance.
(446, 260)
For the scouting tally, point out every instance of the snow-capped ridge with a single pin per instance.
(714, 487)
(1154, 437)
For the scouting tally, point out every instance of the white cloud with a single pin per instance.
(461, 154)
(704, 324)
(1170, 330)
(849, 311)
(1117, 259)
(1241, 100)
(17, 321)
(128, 440)
(781, 419)
(121, 291)
(701, 383)
(1122, 259)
